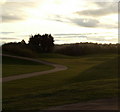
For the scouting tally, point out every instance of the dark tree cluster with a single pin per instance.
(78, 49)
(36, 44)
(41, 43)
(18, 48)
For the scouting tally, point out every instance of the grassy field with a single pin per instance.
(14, 66)
(88, 77)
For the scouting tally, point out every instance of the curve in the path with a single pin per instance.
(57, 68)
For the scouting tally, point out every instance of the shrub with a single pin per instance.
(18, 49)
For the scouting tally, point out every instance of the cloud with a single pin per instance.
(6, 38)
(12, 18)
(86, 22)
(104, 9)
(93, 23)
(58, 18)
(108, 3)
(105, 25)
(7, 32)
(16, 11)
(83, 22)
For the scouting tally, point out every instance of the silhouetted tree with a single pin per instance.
(43, 43)
(34, 42)
(23, 42)
(47, 43)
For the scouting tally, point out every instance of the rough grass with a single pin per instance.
(13, 66)
(88, 78)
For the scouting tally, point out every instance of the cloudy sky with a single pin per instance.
(21, 19)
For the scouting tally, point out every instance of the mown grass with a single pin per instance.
(13, 66)
(87, 78)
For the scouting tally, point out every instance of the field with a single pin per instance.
(88, 77)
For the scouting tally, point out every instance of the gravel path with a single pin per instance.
(57, 68)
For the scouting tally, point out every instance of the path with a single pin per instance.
(57, 68)
(101, 104)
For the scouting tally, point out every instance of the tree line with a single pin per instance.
(78, 49)
(45, 44)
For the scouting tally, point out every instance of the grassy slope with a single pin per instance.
(88, 78)
(14, 66)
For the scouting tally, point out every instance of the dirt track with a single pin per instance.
(102, 104)
(57, 68)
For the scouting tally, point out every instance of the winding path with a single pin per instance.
(57, 68)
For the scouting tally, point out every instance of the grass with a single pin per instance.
(53, 55)
(14, 66)
(88, 78)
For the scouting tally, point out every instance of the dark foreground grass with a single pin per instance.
(13, 66)
(88, 78)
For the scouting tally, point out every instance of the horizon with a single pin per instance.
(82, 21)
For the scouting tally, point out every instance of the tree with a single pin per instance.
(34, 42)
(23, 42)
(47, 43)
(43, 43)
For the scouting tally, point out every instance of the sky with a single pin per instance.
(95, 20)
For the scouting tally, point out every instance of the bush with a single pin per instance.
(18, 49)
